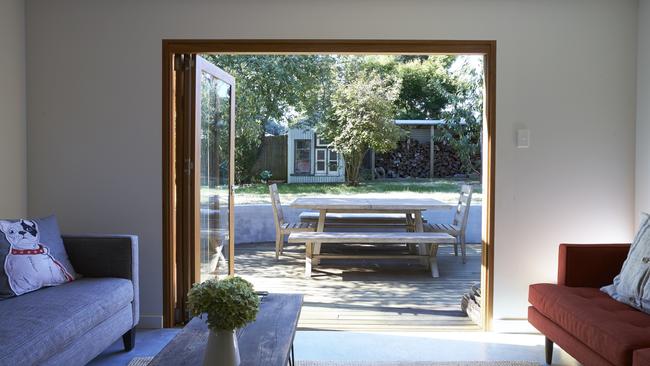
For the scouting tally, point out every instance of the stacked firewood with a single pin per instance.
(470, 304)
(409, 160)
(445, 161)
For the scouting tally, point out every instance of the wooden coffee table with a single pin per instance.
(268, 341)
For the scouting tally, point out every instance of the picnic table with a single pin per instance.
(412, 209)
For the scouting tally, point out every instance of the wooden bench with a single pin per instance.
(344, 219)
(431, 240)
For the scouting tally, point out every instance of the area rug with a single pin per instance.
(144, 361)
(140, 361)
(423, 363)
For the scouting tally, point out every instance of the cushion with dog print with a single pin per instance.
(33, 256)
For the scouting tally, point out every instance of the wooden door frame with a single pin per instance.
(487, 48)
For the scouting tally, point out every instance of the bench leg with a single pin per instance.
(129, 340)
(433, 260)
(319, 228)
(316, 251)
(419, 227)
(308, 259)
(548, 348)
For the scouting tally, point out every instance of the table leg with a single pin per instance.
(409, 227)
(419, 227)
(319, 228)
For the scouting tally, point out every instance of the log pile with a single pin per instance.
(409, 160)
(445, 161)
(470, 304)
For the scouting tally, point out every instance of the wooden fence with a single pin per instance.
(273, 157)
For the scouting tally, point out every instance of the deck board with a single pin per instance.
(367, 295)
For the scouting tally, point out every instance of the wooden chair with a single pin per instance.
(282, 227)
(458, 225)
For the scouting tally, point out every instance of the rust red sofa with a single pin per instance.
(585, 322)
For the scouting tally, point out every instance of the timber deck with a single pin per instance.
(367, 295)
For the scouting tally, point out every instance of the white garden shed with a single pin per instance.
(310, 159)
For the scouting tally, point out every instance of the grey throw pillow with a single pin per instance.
(632, 285)
(33, 256)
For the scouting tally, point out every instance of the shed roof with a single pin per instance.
(419, 122)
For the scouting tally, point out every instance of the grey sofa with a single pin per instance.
(72, 323)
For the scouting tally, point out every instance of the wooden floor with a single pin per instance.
(363, 295)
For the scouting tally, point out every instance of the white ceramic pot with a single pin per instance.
(222, 349)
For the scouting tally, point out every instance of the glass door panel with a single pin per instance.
(333, 166)
(321, 161)
(214, 164)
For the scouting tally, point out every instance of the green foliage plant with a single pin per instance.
(427, 86)
(463, 118)
(229, 304)
(361, 116)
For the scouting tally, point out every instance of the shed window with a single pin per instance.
(302, 157)
(327, 161)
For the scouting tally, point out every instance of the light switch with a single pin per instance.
(523, 139)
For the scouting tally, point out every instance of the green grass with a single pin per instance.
(440, 185)
(442, 189)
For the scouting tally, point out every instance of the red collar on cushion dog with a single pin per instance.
(40, 250)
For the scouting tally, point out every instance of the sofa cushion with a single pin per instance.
(610, 328)
(632, 285)
(32, 255)
(37, 325)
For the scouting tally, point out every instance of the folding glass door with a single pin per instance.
(204, 150)
(214, 118)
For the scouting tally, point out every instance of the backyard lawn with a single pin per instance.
(445, 190)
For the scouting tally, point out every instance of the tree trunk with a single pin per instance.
(352, 167)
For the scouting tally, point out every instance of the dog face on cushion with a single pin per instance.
(22, 234)
(29, 264)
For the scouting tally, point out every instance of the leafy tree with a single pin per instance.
(361, 116)
(427, 86)
(271, 90)
(463, 118)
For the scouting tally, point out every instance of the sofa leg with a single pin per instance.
(129, 340)
(548, 347)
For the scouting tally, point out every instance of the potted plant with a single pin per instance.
(229, 304)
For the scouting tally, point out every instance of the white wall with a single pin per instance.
(642, 186)
(13, 130)
(566, 71)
